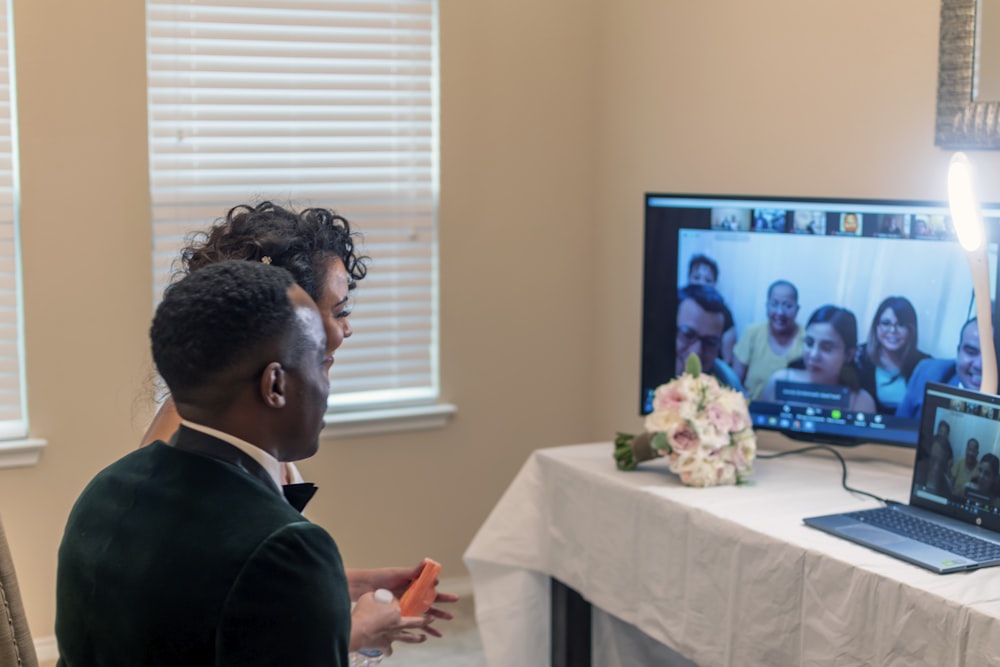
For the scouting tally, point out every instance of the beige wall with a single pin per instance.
(518, 314)
(780, 98)
(85, 250)
(556, 117)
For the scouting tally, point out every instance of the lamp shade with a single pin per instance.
(968, 221)
(963, 203)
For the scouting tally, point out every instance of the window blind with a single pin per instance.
(310, 103)
(13, 410)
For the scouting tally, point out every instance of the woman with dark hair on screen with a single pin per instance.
(828, 351)
(886, 361)
(317, 247)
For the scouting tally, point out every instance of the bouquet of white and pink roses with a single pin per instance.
(700, 426)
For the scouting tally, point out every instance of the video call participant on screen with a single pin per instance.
(770, 346)
(891, 225)
(965, 370)
(700, 324)
(944, 434)
(827, 360)
(886, 362)
(983, 487)
(963, 469)
(932, 473)
(703, 270)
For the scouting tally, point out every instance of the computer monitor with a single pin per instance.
(851, 254)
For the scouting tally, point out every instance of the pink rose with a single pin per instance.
(718, 417)
(669, 400)
(682, 437)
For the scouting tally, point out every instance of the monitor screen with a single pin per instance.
(830, 315)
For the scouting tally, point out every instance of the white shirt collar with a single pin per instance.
(268, 462)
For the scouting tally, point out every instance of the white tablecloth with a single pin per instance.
(724, 576)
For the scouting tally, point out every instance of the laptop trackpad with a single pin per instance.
(873, 535)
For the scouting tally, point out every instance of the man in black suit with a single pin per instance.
(187, 553)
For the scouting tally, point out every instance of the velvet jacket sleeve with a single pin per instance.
(289, 605)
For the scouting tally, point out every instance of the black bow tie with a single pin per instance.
(299, 495)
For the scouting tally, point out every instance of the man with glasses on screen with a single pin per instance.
(700, 324)
(965, 370)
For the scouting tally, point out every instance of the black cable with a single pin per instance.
(843, 468)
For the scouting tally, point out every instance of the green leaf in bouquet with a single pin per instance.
(692, 365)
(660, 442)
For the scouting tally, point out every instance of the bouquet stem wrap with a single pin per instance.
(631, 450)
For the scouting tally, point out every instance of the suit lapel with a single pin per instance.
(189, 440)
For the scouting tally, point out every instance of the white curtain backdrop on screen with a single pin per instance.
(933, 273)
(310, 103)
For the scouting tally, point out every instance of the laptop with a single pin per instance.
(952, 521)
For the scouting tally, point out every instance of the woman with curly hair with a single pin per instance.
(317, 247)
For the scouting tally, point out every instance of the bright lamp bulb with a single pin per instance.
(963, 203)
(969, 227)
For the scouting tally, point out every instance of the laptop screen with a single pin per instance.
(957, 466)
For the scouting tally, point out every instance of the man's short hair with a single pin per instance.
(217, 317)
(705, 296)
(704, 260)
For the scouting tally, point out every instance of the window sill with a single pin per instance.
(21, 453)
(387, 420)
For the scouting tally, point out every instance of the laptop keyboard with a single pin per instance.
(930, 533)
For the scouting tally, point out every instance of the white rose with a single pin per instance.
(711, 437)
(733, 403)
(702, 473)
(745, 443)
(685, 461)
(725, 474)
(662, 421)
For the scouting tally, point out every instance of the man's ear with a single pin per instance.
(272, 385)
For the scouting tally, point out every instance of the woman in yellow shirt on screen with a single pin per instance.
(769, 346)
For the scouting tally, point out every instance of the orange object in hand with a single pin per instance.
(419, 597)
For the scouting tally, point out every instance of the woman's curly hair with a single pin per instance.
(300, 242)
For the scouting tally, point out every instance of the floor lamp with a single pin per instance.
(968, 221)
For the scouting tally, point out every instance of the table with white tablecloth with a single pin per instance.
(718, 576)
